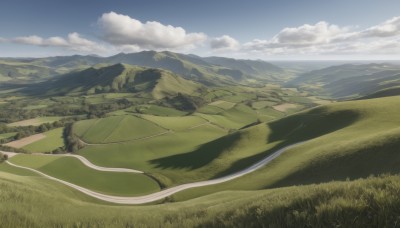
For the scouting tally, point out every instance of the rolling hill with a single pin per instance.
(209, 71)
(155, 83)
(349, 80)
(344, 140)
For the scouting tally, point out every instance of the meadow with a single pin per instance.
(72, 170)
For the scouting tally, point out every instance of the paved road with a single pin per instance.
(100, 168)
(167, 192)
(84, 161)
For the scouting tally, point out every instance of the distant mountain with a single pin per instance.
(249, 67)
(349, 80)
(389, 92)
(209, 71)
(152, 83)
(16, 71)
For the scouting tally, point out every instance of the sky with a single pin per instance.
(254, 29)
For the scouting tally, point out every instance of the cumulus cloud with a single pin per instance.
(325, 38)
(224, 42)
(74, 42)
(33, 40)
(122, 30)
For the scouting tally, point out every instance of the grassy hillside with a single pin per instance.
(16, 71)
(37, 202)
(115, 129)
(118, 78)
(345, 140)
(53, 140)
(393, 91)
(72, 170)
(210, 71)
(349, 80)
(143, 154)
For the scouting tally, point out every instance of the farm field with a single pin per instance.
(35, 121)
(53, 139)
(115, 129)
(72, 170)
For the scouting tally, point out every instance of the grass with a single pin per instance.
(7, 135)
(159, 110)
(347, 140)
(54, 139)
(210, 109)
(144, 154)
(6, 168)
(115, 129)
(225, 105)
(72, 170)
(234, 118)
(175, 123)
(35, 122)
(262, 104)
(374, 202)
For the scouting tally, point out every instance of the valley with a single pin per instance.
(169, 130)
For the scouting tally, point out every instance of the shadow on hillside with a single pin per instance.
(309, 125)
(297, 128)
(380, 157)
(200, 157)
(286, 131)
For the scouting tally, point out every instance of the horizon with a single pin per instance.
(202, 56)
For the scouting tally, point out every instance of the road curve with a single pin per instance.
(167, 192)
(84, 161)
(99, 168)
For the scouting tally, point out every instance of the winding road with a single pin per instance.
(166, 192)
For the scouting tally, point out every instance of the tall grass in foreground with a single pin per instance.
(371, 202)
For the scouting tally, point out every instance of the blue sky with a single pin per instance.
(309, 29)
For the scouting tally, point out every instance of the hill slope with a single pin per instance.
(344, 140)
(120, 78)
(350, 80)
(363, 203)
(209, 71)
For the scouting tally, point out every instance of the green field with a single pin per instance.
(159, 110)
(234, 118)
(72, 170)
(346, 140)
(53, 140)
(7, 135)
(35, 122)
(176, 123)
(37, 202)
(146, 154)
(115, 129)
(225, 105)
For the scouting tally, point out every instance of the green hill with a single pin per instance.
(14, 71)
(393, 91)
(237, 68)
(155, 83)
(343, 140)
(209, 71)
(349, 80)
(29, 201)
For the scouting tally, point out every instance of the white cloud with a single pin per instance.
(3, 40)
(33, 40)
(388, 28)
(320, 33)
(122, 30)
(223, 43)
(74, 42)
(323, 38)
